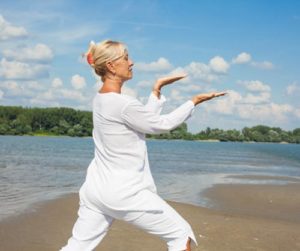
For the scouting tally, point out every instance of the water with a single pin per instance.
(34, 169)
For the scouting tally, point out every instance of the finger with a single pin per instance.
(171, 79)
(218, 94)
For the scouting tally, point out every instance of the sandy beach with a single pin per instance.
(245, 217)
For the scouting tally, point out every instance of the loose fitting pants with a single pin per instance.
(91, 227)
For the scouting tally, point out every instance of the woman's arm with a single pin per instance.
(161, 82)
(156, 99)
(139, 118)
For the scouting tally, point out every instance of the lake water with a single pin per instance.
(34, 169)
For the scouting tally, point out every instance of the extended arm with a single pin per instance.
(139, 118)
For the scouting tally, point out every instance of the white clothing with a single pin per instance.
(119, 183)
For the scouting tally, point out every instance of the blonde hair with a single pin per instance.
(103, 52)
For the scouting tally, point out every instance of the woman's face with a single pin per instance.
(123, 67)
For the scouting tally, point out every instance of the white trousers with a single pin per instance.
(91, 227)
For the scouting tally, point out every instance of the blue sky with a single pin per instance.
(248, 48)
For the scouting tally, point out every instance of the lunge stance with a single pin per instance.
(119, 184)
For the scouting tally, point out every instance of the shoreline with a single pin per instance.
(149, 138)
(228, 226)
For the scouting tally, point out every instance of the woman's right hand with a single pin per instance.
(166, 81)
(206, 96)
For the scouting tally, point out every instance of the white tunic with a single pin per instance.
(119, 176)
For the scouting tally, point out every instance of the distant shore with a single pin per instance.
(197, 140)
(245, 217)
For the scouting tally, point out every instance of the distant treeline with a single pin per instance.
(70, 122)
(49, 121)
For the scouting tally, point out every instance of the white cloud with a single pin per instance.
(225, 105)
(47, 95)
(269, 113)
(213, 71)
(265, 65)
(57, 97)
(39, 53)
(144, 83)
(297, 112)
(253, 108)
(176, 95)
(190, 88)
(161, 64)
(293, 89)
(44, 102)
(8, 31)
(78, 82)
(13, 88)
(219, 65)
(72, 95)
(35, 85)
(19, 70)
(255, 86)
(263, 97)
(56, 83)
(242, 58)
(1, 94)
(200, 71)
(246, 58)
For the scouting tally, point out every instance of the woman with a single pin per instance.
(119, 184)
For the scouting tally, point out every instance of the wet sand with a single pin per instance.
(247, 217)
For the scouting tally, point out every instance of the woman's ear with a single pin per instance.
(110, 67)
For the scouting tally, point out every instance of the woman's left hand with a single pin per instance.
(166, 81)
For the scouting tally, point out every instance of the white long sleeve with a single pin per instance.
(119, 176)
(155, 104)
(139, 118)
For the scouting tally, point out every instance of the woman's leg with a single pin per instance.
(89, 229)
(168, 225)
(188, 245)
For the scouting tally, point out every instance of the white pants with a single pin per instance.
(91, 227)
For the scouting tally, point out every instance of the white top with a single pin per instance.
(119, 176)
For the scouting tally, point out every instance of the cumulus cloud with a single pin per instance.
(144, 83)
(263, 97)
(1, 94)
(78, 82)
(297, 112)
(208, 73)
(293, 89)
(162, 64)
(219, 65)
(35, 85)
(57, 96)
(270, 112)
(265, 65)
(200, 71)
(190, 88)
(177, 95)
(13, 88)
(72, 95)
(42, 101)
(257, 108)
(242, 58)
(226, 105)
(246, 58)
(56, 83)
(19, 70)
(39, 53)
(255, 86)
(9, 31)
